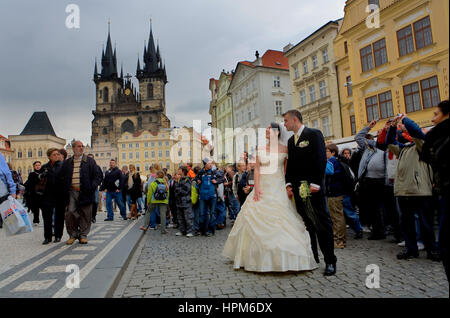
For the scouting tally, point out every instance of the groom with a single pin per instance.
(307, 162)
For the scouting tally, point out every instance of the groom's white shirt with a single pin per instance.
(299, 133)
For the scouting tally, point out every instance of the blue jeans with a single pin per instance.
(128, 202)
(196, 211)
(207, 208)
(350, 215)
(117, 196)
(140, 204)
(155, 217)
(233, 206)
(220, 213)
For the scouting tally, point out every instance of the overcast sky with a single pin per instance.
(45, 66)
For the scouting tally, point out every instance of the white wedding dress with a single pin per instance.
(269, 235)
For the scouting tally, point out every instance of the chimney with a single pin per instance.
(287, 47)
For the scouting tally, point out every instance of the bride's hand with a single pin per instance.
(257, 194)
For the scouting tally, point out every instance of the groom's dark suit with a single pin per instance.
(307, 162)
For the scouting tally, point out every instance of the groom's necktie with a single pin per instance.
(295, 139)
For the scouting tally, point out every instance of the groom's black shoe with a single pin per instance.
(330, 269)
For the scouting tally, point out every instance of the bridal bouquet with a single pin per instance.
(305, 195)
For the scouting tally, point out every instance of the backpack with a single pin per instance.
(348, 178)
(160, 192)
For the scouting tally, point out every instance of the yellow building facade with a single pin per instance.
(314, 80)
(169, 147)
(392, 60)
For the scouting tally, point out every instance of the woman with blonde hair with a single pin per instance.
(134, 190)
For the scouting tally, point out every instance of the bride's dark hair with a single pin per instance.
(276, 126)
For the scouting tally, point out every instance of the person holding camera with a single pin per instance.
(33, 191)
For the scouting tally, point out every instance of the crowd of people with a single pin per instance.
(394, 183)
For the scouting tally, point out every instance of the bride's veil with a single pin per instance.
(284, 134)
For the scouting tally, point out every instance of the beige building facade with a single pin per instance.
(314, 81)
(32, 144)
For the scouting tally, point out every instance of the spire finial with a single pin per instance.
(109, 24)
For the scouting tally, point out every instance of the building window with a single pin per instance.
(323, 89)
(366, 58)
(278, 107)
(422, 33)
(146, 144)
(345, 47)
(124, 156)
(130, 155)
(326, 127)
(276, 81)
(30, 153)
(430, 92)
(19, 154)
(130, 146)
(153, 154)
(40, 153)
(353, 124)
(160, 143)
(105, 95)
(126, 137)
(167, 143)
(305, 67)
(137, 155)
(296, 72)
(375, 2)
(167, 153)
(315, 124)
(153, 144)
(386, 108)
(379, 51)
(314, 59)
(137, 145)
(123, 146)
(147, 167)
(149, 91)
(312, 93)
(349, 85)
(160, 153)
(109, 154)
(372, 108)
(325, 55)
(303, 97)
(405, 41)
(412, 97)
(146, 155)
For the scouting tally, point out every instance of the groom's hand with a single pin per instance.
(289, 192)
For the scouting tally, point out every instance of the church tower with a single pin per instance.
(152, 81)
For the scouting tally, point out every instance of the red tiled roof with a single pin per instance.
(275, 59)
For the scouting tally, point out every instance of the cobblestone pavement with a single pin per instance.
(171, 266)
(30, 269)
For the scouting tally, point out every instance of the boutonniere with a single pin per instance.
(303, 144)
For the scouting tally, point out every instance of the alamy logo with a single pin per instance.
(373, 280)
(373, 19)
(73, 280)
(73, 19)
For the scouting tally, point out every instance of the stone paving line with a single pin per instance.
(43, 274)
(166, 266)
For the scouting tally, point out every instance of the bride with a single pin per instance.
(268, 234)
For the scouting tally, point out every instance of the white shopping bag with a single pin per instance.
(18, 207)
(11, 217)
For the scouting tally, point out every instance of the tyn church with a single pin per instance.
(120, 107)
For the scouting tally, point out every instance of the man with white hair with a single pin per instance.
(80, 178)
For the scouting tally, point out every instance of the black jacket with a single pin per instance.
(135, 191)
(53, 192)
(183, 192)
(307, 159)
(436, 152)
(90, 179)
(110, 181)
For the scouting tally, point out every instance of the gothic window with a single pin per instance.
(127, 126)
(150, 91)
(105, 95)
